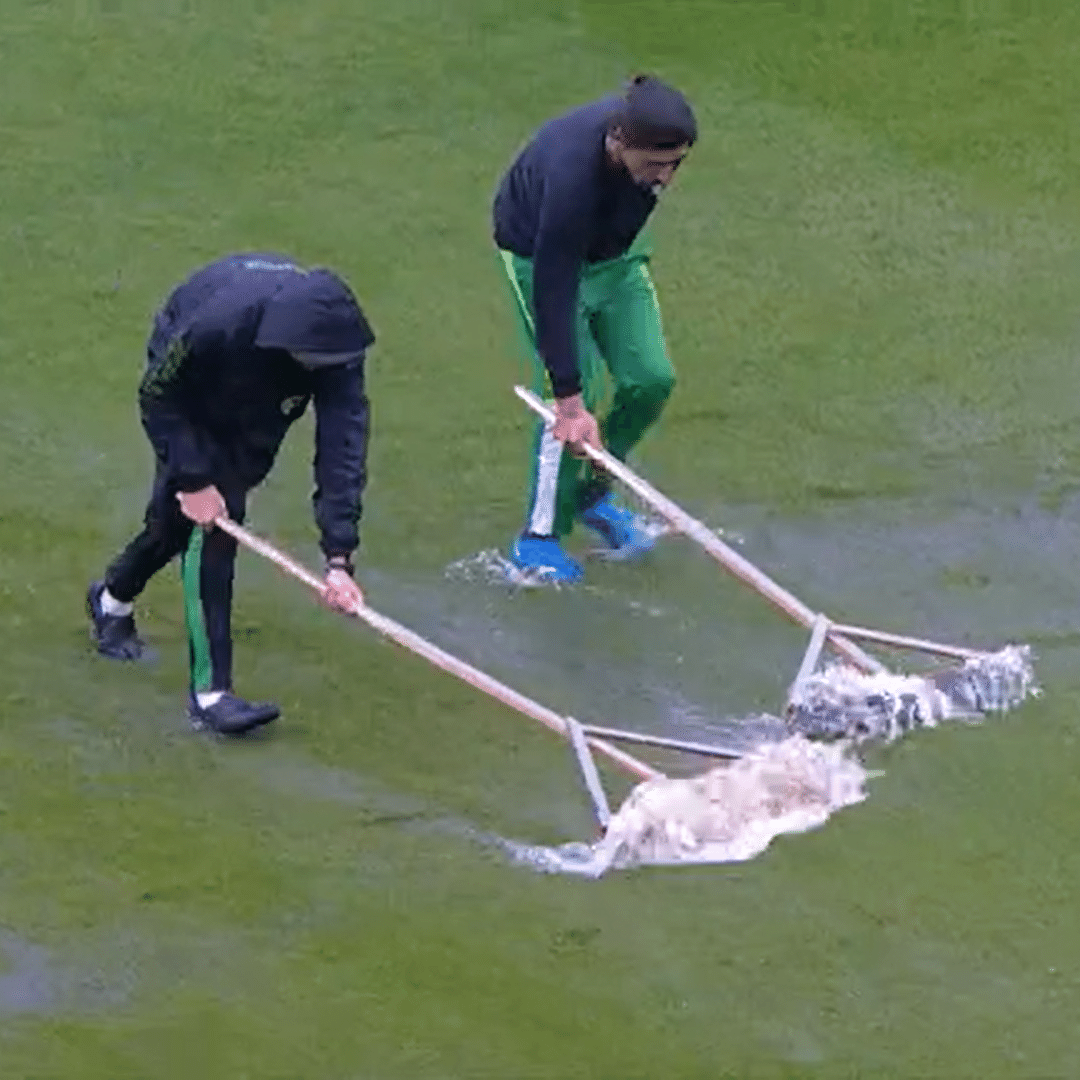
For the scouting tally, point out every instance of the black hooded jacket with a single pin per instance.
(222, 387)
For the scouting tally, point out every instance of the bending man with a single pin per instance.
(567, 216)
(236, 354)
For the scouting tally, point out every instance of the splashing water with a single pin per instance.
(796, 770)
(841, 702)
(652, 527)
(730, 814)
(492, 567)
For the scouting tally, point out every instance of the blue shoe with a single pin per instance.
(542, 559)
(626, 534)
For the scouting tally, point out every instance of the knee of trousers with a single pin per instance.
(167, 533)
(654, 391)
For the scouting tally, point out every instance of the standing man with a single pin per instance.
(236, 354)
(567, 220)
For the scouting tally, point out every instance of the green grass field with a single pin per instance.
(870, 274)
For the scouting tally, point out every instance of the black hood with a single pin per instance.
(315, 317)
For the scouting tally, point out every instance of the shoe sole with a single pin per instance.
(199, 724)
(539, 577)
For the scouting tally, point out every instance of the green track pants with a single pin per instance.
(618, 332)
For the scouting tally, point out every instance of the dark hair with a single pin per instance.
(654, 116)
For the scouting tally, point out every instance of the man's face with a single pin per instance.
(652, 169)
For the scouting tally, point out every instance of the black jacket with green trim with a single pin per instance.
(217, 402)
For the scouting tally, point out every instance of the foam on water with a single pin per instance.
(732, 812)
(827, 719)
(841, 702)
(729, 814)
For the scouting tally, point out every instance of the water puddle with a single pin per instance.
(676, 648)
(26, 983)
(33, 984)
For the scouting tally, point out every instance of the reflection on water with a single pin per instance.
(677, 647)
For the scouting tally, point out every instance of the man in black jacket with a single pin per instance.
(236, 354)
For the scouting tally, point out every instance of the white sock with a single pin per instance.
(111, 606)
(206, 698)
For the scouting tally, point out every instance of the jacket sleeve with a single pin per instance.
(558, 255)
(163, 394)
(341, 442)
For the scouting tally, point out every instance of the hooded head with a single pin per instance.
(315, 317)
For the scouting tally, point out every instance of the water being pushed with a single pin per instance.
(729, 814)
(733, 812)
(841, 702)
(492, 567)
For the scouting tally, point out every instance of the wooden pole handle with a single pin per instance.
(434, 655)
(701, 534)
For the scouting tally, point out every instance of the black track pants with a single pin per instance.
(208, 559)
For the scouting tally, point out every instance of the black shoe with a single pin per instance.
(114, 635)
(230, 715)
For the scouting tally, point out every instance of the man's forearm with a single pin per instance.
(555, 290)
(341, 439)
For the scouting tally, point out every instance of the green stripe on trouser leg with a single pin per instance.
(202, 671)
(619, 332)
